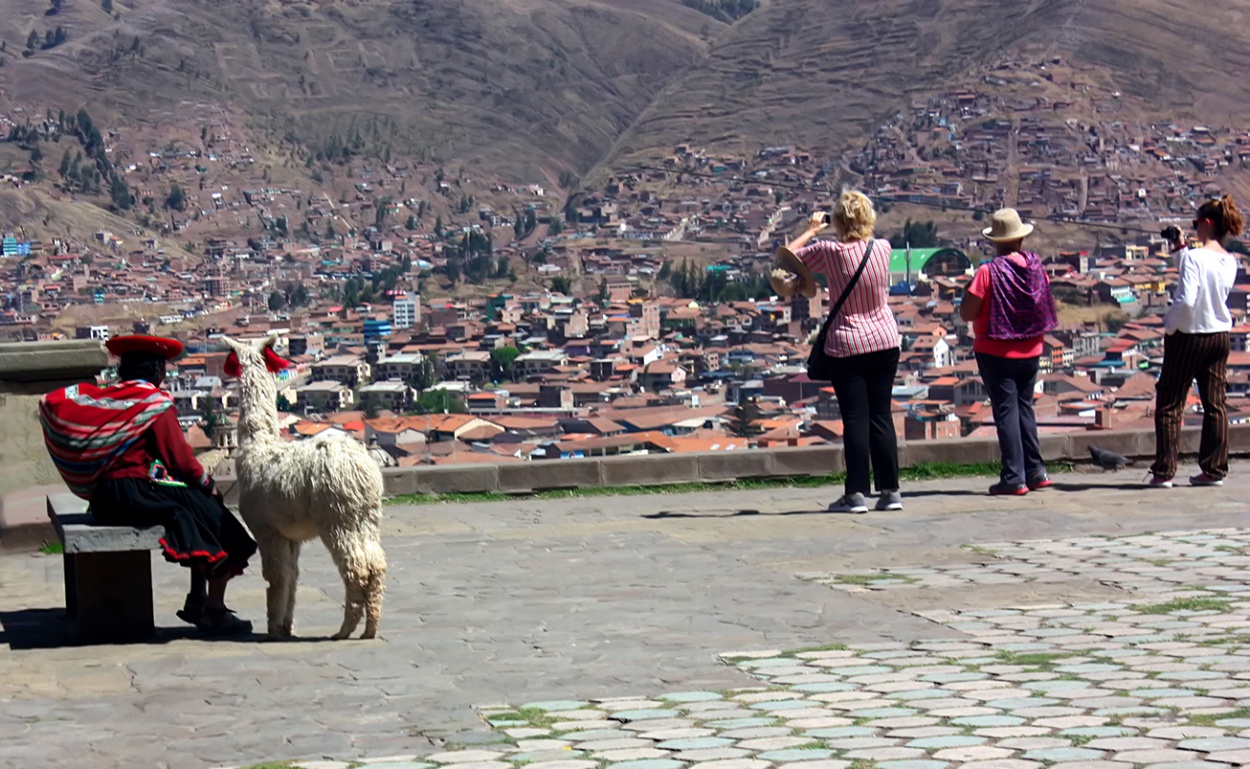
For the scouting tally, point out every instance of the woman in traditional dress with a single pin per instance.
(121, 448)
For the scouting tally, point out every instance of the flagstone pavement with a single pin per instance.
(1098, 625)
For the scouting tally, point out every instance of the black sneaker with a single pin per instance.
(221, 622)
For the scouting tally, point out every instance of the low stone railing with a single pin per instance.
(666, 469)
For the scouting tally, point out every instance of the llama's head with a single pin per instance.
(249, 357)
(255, 363)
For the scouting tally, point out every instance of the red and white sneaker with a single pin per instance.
(1202, 479)
(1159, 482)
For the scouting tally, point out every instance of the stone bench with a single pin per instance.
(108, 573)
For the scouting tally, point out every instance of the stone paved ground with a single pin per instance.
(968, 630)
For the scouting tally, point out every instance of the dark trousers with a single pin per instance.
(1010, 383)
(1187, 357)
(864, 385)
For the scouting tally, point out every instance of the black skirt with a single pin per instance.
(200, 531)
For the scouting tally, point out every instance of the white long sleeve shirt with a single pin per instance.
(1200, 304)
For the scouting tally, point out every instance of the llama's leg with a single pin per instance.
(376, 586)
(347, 548)
(288, 618)
(274, 556)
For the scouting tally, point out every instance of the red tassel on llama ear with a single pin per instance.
(273, 361)
(231, 367)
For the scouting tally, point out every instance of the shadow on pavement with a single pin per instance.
(50, 629)
(1070, 487)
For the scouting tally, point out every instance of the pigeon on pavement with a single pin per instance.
(1109, 460)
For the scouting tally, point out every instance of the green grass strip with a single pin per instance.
(927, 472)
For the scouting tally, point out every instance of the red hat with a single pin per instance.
(152, 345)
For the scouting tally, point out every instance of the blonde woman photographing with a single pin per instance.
(859, 343)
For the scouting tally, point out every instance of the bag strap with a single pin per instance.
(846, 292)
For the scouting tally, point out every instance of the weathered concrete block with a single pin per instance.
(732, 465)
(1239, 439)
(75, 360)
(964, 451)
(650, 470)
(1055, 448)
(550, 474)
(808, 460)
(462, 479)
(80, 534)
(397, 481)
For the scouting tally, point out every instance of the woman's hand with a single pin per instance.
(818, 221)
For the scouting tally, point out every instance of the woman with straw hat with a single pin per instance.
(1011, 309)
(860, 338)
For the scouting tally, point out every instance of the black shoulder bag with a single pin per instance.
(820, 365)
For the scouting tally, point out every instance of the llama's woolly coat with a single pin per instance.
(290, 493)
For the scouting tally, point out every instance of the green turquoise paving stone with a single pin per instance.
(983, 721)
(830, 686)
(695, 743)
(1141, 710)
(739, 723)
(649, 763)
(770, 662)
(1059, 755)
(691, 696)
(949, 741)
(1088, 667)
(1234, 723)
(553, 705)
(642, 715)
(505, 723)
(836, 732)
(1024, 647)
(1215, 744)
(795, 754)
(398, 765)
(783, 705)
(1192, 675)
(915, 763)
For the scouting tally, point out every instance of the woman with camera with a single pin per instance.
(860, 337)
(1196, 345)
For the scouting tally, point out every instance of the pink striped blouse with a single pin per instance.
(865, 323)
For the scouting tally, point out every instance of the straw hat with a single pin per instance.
(1005, 226)
(810, 286)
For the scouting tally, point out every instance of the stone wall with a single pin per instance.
(664, 469)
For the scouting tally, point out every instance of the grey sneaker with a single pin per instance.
(849, 503)
(890, 500)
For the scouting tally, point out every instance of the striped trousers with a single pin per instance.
(1187, 357)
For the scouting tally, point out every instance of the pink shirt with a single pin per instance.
(999, 348)
(865, 323)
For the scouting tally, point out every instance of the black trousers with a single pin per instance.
(1010, 382)
(1187, 357)
(864, 385)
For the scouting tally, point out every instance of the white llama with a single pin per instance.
(292, 492)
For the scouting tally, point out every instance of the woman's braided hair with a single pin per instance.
(142, 365)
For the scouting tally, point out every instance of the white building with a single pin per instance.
(405, 313)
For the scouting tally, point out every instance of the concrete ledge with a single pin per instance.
(44, 363)
(664, 469)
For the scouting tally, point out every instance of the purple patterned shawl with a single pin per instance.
(1022, 306)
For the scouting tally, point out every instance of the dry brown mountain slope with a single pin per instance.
(819, 73)
(532, 84)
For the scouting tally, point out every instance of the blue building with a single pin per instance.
(375, 330)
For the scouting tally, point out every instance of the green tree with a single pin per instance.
(560, 285)
(745, 421)
(107, 6)
(411, 223)
(176, 199)
(120, 193)
(32, 41)
(210, 416)
(277, 301)
(503, 363)
(439, 402)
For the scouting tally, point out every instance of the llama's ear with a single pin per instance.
(271, 340)
(229, 343)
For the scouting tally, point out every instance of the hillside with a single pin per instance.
(559, 93)
(820, 73)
